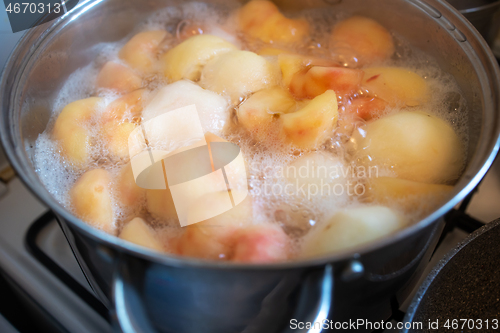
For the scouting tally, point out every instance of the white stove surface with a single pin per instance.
(18, 210)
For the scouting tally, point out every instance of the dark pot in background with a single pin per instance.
(483, 14)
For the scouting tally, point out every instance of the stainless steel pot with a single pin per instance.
(482, 14)
(153, 292)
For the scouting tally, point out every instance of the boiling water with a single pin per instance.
(266, 161)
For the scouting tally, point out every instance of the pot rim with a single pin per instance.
(30, 179)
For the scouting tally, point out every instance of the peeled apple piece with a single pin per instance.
(116, 135)
(396, 85)
(117, 122)
(190, 29)
(263, 20)
(257, 113)
(138, 232)
(263, 243)
(140, 52)
(214, 238)
(317, 173)
(127, 107)
(415, 145)
(369, 40)
(350, 228)
(70, 130)
(314, 81)
(160, 204)
(186, 60)
(291, 63)
(212, 108)
(409, 195)
(239, 73)
(91, 199)
(311, 125)
(366, 107)
(121, 79)
(128, 193)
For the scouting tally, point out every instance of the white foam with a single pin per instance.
(294, 213)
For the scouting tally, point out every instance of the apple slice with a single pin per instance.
(291, 63)
(262, 243)
(311, 125)
(126, 107)
(214, 237)
(71, 133)
(119, 120)
(186, 60)
(350, 228)
(116, 135)
(160, 204)
(257, 113)
(238, 74)
(314, 81)
(140, 52)
(212, 108)
(396, 86)
(317, 175)
(127, 192)
(263, 20)
(411, 196)
(138, 232)
(414, 145)
(119, 78)
(370, 41)
(91, 199)
(366, 107)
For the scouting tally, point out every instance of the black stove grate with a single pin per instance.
(59, 272)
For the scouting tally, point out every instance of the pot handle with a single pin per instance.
(317, 296)
(130, 315)
(316, 292)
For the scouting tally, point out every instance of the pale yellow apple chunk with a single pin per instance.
(317, 174)
(121, 79)
(237, 74)
(310, 126)
(397, 86)
(186, 60)
(141, 51)
(138, 232)
(129, 106)
(161, 205)
(414, 145)
(263, 20)
(128, 193)
(117, 135)
(258, 112)
(118, 121)
(351, 228)
(91, 199)
(71, 133)
(410, 196)
(214, 238)
(291, 63)
(369, 40)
